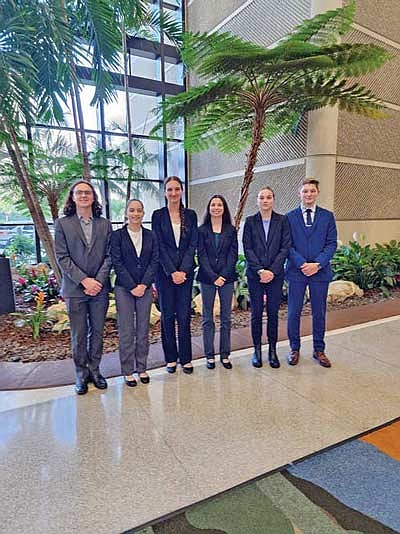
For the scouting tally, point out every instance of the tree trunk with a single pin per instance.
(31, 200)
(128, 111)
(257, 139)
(76, 125)
(81, 127)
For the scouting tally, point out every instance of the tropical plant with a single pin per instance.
(32, 280)
(254, 93)
(52, 161)
(36, 318)
(369, 267)
(21, 248)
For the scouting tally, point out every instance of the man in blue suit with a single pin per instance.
(314, 240)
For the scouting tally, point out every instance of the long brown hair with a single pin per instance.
(181, 206)
(70, 206)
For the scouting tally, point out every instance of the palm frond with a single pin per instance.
(196, 47)
(324, 28)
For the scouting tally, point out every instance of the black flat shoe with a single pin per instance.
(187, 370)
(81, 386)
(97, 380)
(210, 364)
(130, 383)
(144, 379)
(227, 365)
(171, 369)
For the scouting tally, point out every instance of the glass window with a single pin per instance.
(115, 113)
(144, 67)
(175, 160)
(143, 112)
(174, 73)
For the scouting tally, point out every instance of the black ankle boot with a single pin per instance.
(273, 357)
(257, 359)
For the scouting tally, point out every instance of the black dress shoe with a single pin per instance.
(227, 364)
(144, 379)
(210, 364)
(273, 358)
(256, 360)
(98, 380)
(130, 383)
(81, 386)
(171, 368)
(187, 370)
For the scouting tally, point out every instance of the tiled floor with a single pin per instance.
(109, 461)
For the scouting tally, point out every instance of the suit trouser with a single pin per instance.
(273, 292)
(175, 306)
(86, 318)
(133, 329)
(318, 295)
(208, 293)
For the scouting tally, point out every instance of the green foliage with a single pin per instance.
(244, 81)
(369, 267)
(21, 248)
(241, 290)
(36, 318)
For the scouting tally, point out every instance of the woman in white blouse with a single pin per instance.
(134, 252)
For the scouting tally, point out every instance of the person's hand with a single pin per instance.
(178, 277)
(91, 286)
(309, 269)
(220, 281)
(266, 276)
(139, 290)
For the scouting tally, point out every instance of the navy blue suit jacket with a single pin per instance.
(215, 261)
(314, 244)
(131, 269)
(266, 254)
(173, 258)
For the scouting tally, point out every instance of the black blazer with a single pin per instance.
(173, 258)
(131, 269)
(270, 254)
(217, 261)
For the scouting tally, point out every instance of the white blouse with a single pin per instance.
(137, 239)
(176, 228)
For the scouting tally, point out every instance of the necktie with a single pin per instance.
(308, 217)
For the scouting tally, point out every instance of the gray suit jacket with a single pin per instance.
(77, 260)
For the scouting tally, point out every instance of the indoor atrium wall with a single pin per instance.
(357, 160)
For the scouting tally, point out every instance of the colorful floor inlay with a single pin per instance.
(352, 488)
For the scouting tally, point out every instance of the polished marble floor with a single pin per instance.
(110, 461)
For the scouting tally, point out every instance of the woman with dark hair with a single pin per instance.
(266, 243)
(217, 256)
(82, 245)
(176, 229)
(134, 253)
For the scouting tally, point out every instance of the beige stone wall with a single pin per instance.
(374, 231)
(285, 182)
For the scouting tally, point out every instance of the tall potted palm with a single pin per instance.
(254, 93)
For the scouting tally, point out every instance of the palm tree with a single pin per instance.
(254, 93)
(51, 171)
(28, 89)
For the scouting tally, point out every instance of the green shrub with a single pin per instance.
(369, 267)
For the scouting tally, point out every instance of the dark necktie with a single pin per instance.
(308, 217)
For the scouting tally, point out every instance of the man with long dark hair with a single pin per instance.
(82, 242)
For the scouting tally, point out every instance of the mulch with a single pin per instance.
(17, 345)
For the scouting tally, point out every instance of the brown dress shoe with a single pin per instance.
(322, 358)
(293, 357)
